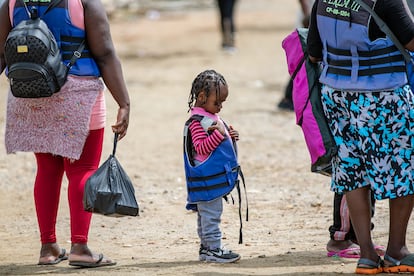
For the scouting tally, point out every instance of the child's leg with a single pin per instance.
(199, 230)
(342, 235)
(210, 218)
(342, 227)
(341, 223)
(341, 231)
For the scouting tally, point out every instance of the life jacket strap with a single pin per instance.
(367, 62)
(208, 188)
(208, 177)
(74, 50)
(367, 72)
(247, 204)
(373, 53)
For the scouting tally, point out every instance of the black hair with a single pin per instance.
(205, 81)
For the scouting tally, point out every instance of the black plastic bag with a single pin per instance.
(109, 191)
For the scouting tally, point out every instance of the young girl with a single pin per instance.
(210, 161)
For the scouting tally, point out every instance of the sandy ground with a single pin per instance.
(290, 208)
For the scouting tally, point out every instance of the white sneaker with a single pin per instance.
(221, 255)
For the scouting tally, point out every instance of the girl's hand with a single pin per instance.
(234, 134)
(219, 126)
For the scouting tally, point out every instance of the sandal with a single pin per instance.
(62, 257)
(351, 252)
(369, 267)
(98, 263)
(406, 264)
(380, 250)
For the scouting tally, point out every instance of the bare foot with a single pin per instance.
(82, 256)
(336, 246)
(380, 250)
(51, 253)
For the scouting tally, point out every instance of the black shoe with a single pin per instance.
(202, 253)
(221, 255)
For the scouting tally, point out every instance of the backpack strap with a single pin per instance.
(52, 4)
(384, 27)
(76, 54)
(33, 14)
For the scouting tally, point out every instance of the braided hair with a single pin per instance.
(205, 81)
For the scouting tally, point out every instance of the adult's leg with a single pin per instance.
(77, 173)
(341, 231)
(226, 8)
(400, 212)
(359, 205)
(46, 197)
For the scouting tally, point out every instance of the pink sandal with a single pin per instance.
(352, 252)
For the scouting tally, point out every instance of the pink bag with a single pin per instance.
(307, 102)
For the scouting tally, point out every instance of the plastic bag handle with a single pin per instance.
(115, 143)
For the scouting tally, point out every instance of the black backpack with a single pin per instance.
(35, 67)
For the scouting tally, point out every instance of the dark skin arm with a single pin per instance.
(314, 59)
(5, 28)
(101, 45)
(306, 10)
(410, 45)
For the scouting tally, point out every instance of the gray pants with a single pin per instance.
(208, 222)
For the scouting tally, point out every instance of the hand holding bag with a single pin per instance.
(109, 191)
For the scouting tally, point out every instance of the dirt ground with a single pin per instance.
(290, 208)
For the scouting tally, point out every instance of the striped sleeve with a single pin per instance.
(203, 143)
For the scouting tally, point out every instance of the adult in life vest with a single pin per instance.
(368, 103)
(65, 131)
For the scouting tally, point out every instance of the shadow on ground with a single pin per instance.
(299, 260)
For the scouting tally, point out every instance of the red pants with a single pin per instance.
(50, 169)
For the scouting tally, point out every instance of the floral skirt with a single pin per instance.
(374, 133)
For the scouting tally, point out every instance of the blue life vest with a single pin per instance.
(351, 61)
(67, 35)
(410, 71)
(214, 177)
